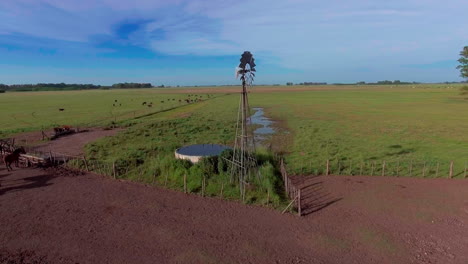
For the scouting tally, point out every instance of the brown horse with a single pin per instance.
(13, 157)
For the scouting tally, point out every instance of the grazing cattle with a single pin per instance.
(115, 100)
(13, 157)
(144, 103)
(150, 105)
(120, 104)
(162, 101)
(61, 109)
(113, 104)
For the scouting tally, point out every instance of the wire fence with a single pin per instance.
(398, 168)
(293, 192)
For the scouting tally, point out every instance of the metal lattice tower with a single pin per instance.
(243, 159)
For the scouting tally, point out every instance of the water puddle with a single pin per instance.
(263, 123)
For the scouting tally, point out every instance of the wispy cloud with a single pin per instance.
(295, 34)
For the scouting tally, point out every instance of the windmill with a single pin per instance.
(243, 160)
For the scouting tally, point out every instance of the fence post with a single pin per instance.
(113, 170)
(203, 186)
(437, 170)
(383, 168)
(299, 202)
(85, 163)
(268, 196)
(398, 168)
(464, 176)
(328, 168)
(185, 182)
(411, 168)
(451, 169)
(360, 170)
(424, 170)
(51, 157)
(222, 189)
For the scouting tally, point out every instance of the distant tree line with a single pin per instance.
(66, 86)
(312, 83)
(133, 85)
(386, 82)
(48, 87)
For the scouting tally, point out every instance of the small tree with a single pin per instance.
(463, 67)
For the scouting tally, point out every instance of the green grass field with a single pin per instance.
(357, 128)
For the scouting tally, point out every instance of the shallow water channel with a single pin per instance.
(265, 123)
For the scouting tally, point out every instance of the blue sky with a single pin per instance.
(185, 42)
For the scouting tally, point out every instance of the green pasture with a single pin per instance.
(27, 111)
(358, 129)
(416, 130)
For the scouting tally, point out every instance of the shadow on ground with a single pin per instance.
(14, 185)
(314, 197)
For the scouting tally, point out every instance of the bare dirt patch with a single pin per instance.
(73, 144)
(56, 216)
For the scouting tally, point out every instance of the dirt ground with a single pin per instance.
(56, 216)
(59, 216)
(72, 144)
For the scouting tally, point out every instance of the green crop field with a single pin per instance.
(406, 130)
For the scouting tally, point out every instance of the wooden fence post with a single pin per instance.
(437, 170)
(360, 170)
(464, 176)
(113, 170)
(203, 186)
(299, 211)
(398, 168)
(451, 170)
(383, 168)
(268, 196)
(328, 168)
(411, 168)
(424, 170)
(185, 182)
(85, 163)
(51, 157)
(222, 189)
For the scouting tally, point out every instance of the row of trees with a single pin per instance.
(47, 86)
(132, 85)
(65, 86)
(307, 83)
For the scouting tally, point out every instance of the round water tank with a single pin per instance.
(195, 152)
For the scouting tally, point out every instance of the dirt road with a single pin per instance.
(54, 216)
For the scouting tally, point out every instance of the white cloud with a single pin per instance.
(301, 34)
